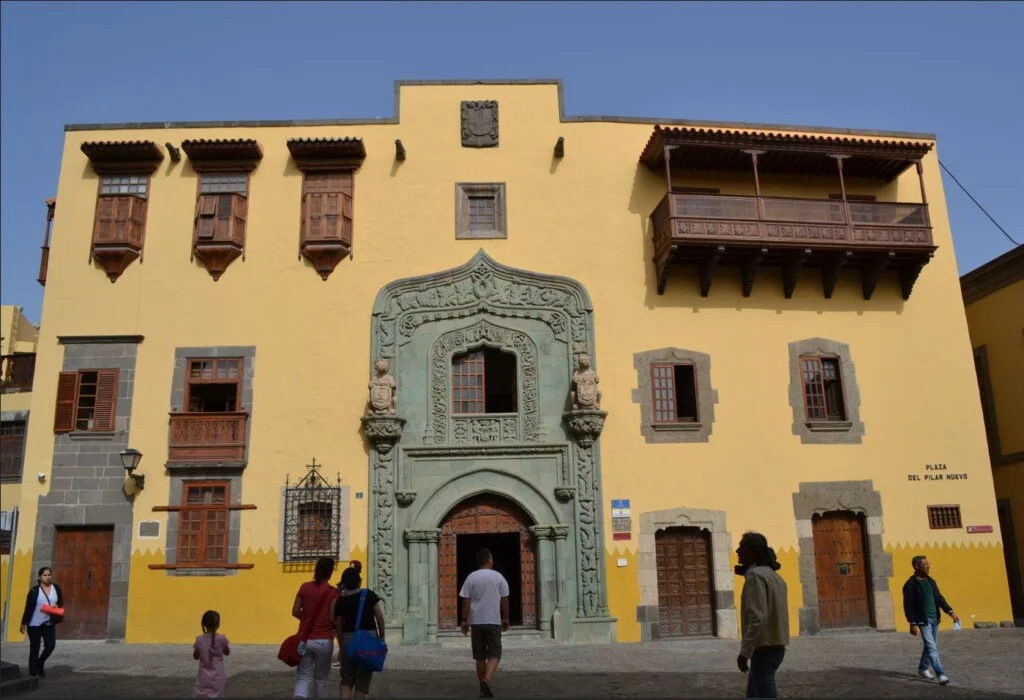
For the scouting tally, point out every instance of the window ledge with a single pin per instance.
(220, 569)
(92, 435)
(201, 465)
(678, 427)
(479, 234)
(830, 426)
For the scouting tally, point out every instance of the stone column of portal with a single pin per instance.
(560, 533)
(545, 574)
(412, 537)
(383, 432)
(432, 572)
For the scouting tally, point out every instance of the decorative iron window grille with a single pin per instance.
(312, 517)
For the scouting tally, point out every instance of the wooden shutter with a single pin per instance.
(105, 413)
(206, 212)
(137, 220)
(103, 225)
(239, 204)
(67, 393)
(814, 388)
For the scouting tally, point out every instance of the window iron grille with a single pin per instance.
(312, 517)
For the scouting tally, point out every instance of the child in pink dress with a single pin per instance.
(209, 650)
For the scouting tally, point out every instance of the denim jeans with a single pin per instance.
(761, 676)
(930, 654)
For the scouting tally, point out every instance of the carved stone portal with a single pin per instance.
(383, 391)
(480, 124)
(585, 393)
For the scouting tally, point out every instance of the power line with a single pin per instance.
(978, 203)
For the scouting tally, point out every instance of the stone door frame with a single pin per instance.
(860, 497)
(647, 568)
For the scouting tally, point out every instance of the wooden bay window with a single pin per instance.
(211, 428)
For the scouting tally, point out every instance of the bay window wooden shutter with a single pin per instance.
(206, 212)
(67, 393)
(327, 206)
(105, 413)
(239, 203)
(103, 225)
(137, 219)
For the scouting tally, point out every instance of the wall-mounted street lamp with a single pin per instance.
(130, 459)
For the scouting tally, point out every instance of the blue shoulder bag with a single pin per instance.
(366, 649)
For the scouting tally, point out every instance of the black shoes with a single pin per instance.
(485, 690)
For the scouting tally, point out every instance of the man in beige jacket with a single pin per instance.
(764, 615)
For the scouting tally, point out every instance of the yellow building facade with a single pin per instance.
(610, 346)
(18, 337)
(994, 300)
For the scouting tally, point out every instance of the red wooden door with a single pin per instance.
(685, 589)
(81, 566)
(842, 571)
(479, 516)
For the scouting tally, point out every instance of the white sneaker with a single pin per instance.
(926, 674)
(943, 679)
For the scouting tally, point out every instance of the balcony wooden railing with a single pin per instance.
(207, 437)
(18, 371)
(732, 229)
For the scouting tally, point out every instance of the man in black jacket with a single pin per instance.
(922, 603)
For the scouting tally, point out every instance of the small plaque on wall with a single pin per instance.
(978, 529)
(616, 536)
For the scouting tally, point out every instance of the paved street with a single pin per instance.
(980, 663)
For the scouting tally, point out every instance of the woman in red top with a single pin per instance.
(316, 631)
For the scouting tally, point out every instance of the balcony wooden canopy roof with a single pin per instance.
(795, 154)
(206, 153)
(313, 152)
(123, 156)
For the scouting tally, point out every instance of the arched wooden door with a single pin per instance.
(842, 570)
(473, 518)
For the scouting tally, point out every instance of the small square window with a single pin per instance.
(480, 210)
(944, 517)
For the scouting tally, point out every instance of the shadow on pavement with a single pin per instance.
(65, 684)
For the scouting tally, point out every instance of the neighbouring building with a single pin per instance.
(994, 299)
(603, 347)
(18, 337)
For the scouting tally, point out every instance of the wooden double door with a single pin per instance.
(685, 582)
(499, 525)
(82, 564)
(843, 574)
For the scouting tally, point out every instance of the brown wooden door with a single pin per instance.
(685, 588)
(81, 566)
(479, 516)
(842, 571)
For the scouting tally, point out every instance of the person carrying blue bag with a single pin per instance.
(359, 621)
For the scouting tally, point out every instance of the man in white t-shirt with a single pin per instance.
(485, 609)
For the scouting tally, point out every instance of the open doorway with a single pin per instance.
(507, 561)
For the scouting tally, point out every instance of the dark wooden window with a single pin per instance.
(203, 524)
(944, 517)
(214, 385)
(121, 210)
(484, 381)
(327, 206)
(86, 401)
(12, 450)
(480, 210)
(315, 526)
(221, 207)
(5, 542)
(823, 389)
(674, 393)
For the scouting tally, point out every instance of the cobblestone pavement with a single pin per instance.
(870, 664)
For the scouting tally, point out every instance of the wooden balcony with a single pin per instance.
(17, 371)
(205, 438)
(752, 232)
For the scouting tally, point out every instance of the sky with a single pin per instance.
(952, 69)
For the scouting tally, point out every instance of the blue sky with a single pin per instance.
(953, 69)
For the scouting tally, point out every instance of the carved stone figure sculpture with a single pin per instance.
(383, 391)
(585, 394)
